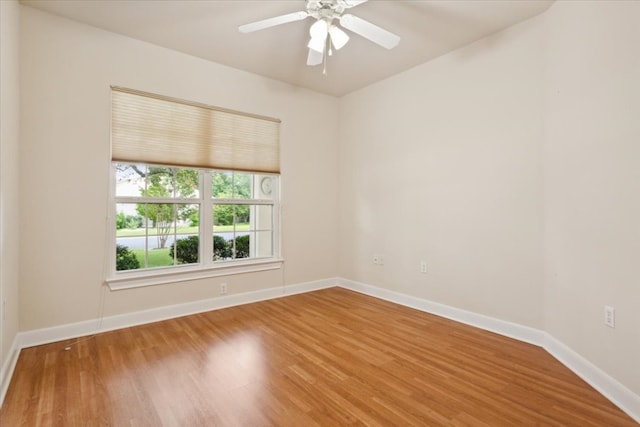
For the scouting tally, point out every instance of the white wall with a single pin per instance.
(66, 71)
(9, 213)
(512, 166)
(443, 163)
(592, 182)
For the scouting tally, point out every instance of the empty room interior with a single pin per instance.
(323, 212)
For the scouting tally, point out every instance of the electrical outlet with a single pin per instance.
(378, 259)
(423, 266)
(609, 316)
(223, 288)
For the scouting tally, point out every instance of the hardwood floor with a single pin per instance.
(326, 358)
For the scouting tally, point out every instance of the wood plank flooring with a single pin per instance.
(326, 358)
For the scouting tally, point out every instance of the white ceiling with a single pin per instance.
(209, 29)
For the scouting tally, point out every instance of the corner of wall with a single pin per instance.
(9, 191)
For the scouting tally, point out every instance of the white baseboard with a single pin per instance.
(90, 327)
(8, 367)
(608, 386)
(502, 327)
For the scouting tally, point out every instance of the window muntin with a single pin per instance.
(243, 230)
(161, 218)
(232, 185)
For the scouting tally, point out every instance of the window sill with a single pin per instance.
(182, 274)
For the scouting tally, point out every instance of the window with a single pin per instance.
(181, 216)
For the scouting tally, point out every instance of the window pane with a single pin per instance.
(187, 235)
(156, 256)
(171, 182)
(129, 222)
(242, 245)
(129, 234)
(230, 245)
(156, 181)
(160, 221)
(226, 216)
(231, 185)
(160, 182)
(242, 185)
(187, 183)
(221, 185)
(226, 226)
(222, 246)
(161, 225)
(130, 179)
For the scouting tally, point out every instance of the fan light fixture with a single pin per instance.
(325, 33)
(338, 37)
(318, 33)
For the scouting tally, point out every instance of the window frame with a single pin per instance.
(206, 267)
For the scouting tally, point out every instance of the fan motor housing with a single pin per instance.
(325, 9)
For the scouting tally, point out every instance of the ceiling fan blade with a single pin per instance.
(272, 22)
(351, 3)
(315, 57)
(370, 31)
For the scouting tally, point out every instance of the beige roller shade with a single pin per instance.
(150, 128)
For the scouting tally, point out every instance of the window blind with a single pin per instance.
(150, 128)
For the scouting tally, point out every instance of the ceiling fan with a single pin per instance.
(325, 32)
